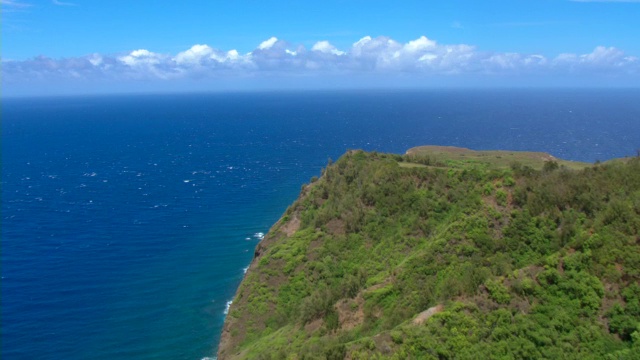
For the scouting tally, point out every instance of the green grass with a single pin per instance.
(411, 165)
(497, 159)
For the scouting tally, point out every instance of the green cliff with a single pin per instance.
(447, 253)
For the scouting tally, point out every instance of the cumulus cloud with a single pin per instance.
(267, 44)
(141, 57)
(326, 47)
(368, 56)
(195, 55)
(601, 59)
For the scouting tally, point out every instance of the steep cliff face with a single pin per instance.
(445, 253)
(240, 322)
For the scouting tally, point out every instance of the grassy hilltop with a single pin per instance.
(451, 156)
(447, 253)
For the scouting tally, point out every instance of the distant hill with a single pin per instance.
(448, 253)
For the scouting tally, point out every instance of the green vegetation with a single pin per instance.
(513, 260)
(461, 157)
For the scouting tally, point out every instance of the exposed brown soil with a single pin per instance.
(314, 326)
(383, 342)
(336, 227)
(435, 148)
(425, 315)
(350, 312)
(291, 226)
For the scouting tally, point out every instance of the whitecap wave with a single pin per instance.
(259, 235)
(226, 309)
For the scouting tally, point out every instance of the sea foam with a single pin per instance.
(226, 309)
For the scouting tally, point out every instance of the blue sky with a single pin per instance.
(111, 46)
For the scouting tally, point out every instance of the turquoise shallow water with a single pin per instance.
(127, 220)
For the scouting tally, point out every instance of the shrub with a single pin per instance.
(498, 292)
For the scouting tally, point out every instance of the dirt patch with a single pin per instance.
(226, 341)
(291, 226)
(521, 304)
(425, 315)
(336, 227)
(312, 254)
(438, 149)
(314, 326)
(509, 199)
(491, 201)
(619, 268)
(383, 343)
(482, 301)
(350, 312)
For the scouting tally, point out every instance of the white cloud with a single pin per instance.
(428, 57)
(194, 55)
(362, 41)
(420, 44)
(326, 47)
(369, 56)
(95, 59)
(603, 56)
(381, 46)
(141, 57)
(267, 44)
(233, 55)
(601, 60)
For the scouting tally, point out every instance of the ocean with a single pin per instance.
(128, 221)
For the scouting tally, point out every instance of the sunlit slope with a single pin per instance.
(436, 256)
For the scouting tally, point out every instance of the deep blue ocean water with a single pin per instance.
(127, 220)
